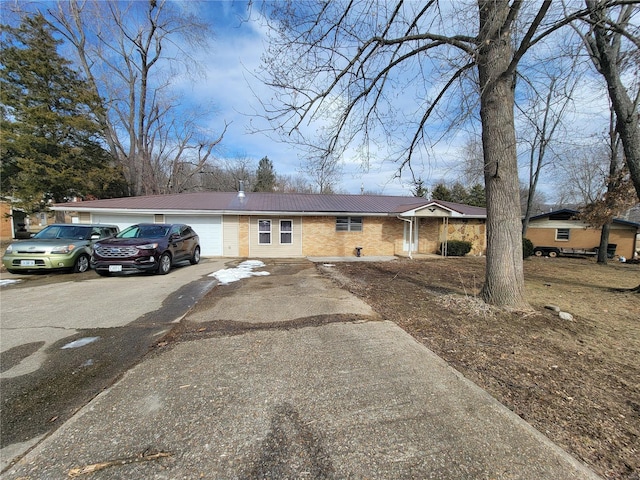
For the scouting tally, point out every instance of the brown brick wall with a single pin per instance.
(581, 237)
(379, 236)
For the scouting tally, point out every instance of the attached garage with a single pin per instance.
(208, 228)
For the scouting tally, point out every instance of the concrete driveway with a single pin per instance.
(65, 337)
(289, 376)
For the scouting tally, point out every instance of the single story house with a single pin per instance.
(563, 229)
(272, 225)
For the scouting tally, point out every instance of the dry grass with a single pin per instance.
(576, 381)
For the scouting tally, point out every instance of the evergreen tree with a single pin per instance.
(441, 192)
(459, 193)
(477, 196)
(51, 145)
(265, 176)
(419, 190)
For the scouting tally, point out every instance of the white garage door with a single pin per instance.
(208, 228)
(122, 221)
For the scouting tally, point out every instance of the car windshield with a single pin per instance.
(67, 232)
(144, 231)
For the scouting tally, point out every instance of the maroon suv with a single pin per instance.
(147, 247)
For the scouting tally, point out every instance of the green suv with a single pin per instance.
(56, 247)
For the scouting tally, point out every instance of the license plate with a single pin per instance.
(27, 263)
(115, 268)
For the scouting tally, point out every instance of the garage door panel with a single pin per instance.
(208, 228)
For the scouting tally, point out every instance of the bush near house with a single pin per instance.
(527, 247)
(457, 248)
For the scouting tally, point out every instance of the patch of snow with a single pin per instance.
(244, 270)
(80, 342)
(4, 282)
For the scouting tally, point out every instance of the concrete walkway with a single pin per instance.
(287, 376)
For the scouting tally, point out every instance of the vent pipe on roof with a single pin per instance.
(241, 189)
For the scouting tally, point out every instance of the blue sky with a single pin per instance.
(235, 55)
(229, 89)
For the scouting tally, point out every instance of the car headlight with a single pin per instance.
(147, 246)
(9, 249)
(63, 249)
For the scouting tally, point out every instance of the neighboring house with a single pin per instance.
(563, 229)
(16, 224)
(271, 225)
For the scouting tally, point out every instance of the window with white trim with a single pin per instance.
(286, 232)
(562, 234)
(264, 232)
(348, 224)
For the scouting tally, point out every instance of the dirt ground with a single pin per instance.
(577, 381)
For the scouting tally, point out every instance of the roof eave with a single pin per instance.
(174, 211)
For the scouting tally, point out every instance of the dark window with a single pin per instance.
(562, 234)
(348, 224)
(264, 232)
(286, 232)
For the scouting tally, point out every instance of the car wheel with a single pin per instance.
(195, 258)
(81, 264)
(103, 273)
(164, 264)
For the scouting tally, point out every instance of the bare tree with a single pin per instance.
(293, 184)
(324, 172)
(539, 203)
(473, 161)
(581, 175)
(225, 175)
(551, 93)
(617, 197)
(381, 73)
(129, 52)
(613, 44)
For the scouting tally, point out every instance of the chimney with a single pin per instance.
(241, 189)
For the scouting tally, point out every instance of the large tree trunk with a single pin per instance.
(504, 278)
(604, 243)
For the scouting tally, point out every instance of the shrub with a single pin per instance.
(527, 247)
(457, 248)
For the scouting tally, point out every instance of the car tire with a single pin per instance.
(164, 264)
(195, 258)
(103, 273)
(81, 264)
